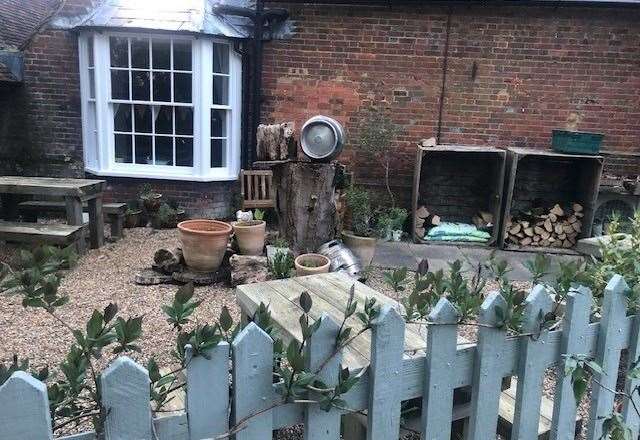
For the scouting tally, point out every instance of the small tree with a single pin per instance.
(376, 134)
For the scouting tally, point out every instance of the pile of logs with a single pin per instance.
(558, 227)
(425, 220)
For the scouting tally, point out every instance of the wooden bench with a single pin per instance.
(256, 189)
(113, 212)
(55, 234)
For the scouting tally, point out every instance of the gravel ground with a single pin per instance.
(106, 275)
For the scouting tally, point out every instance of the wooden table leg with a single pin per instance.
(96, 222)
(74, 217)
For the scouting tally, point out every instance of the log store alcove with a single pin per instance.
(456, 182)
(541, 178)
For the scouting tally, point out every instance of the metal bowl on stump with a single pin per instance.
(322, 138)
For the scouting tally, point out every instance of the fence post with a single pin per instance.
(125, 396)
(531, 366)
(387, 351)
(485, 391)
(629, 413)
(320, 424)
(614, 310)
(208, 392)
(574, 331)
(24, 409)
(253, 383)
(442, 345)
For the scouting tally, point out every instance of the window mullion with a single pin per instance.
(102, 94)
(203, 81)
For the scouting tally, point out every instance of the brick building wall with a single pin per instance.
(514, 74)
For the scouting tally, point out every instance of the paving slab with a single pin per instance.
(391, 255)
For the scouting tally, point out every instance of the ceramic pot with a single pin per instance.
(204, 243)
(250, 236)
(363, 247)
(151, 202)
(319, 264)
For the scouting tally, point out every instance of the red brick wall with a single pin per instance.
(536, 68)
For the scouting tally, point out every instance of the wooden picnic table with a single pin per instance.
(330, 293)
(73, 191)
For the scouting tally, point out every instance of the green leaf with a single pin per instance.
(184, 293)
(226, 321)
(110, 312)
(305, 301)
(94, 325)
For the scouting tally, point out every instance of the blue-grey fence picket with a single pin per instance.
(215, 403)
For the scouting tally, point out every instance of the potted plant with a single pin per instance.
(204, 243)
(397, 218)
(280, 265)
(250, 234)
(361, 238)
(311, 264)
(150, 199)
(277, 245)
(165, 218)
(133, 214)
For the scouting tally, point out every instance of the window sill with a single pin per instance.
(218, 177)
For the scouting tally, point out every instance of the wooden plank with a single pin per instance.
(24, 409)
(629, 414)
(172, 427)
(37, 232)
(437, 398)
(608, 354)
(252, 383)
(485, 391)
(125, 396)
(208, 392)
(96, 222)
(74, 217)
(320, 424)
(387, 350)
(575, 325)
(52, 186)
(531, 369)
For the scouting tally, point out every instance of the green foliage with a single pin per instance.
(6, 370)
(396, 279)
(280, 265)
(179, 312)
(258, 214)
(580, 368)
(538, 267)
(165, 217)
(615, 428)
(279, 242)
(360, 207)
(146, 191)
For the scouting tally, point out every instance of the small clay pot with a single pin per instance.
(250, 236)
(132, 219)
(363, 247)
(204, 243)
(320, 264)
(151, 202)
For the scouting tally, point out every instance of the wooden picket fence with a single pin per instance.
(391, 378)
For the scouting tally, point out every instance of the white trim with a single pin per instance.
(99, 155)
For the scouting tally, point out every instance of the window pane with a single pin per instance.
(217, 152)
(92, 84)
(144, 153)
(123, 148)
(182, 87)
(140, 85)
(140, 53)
(184, 152)
(184, 120)
(164, 150)
(90, 51)
(120, 84)
(161, 86)
(220, 90)
(142, 118)
(182, 55)
(119, 48)
(122, 117)
(161, 54)
(220, 58)
(164, 120)
(218, 123)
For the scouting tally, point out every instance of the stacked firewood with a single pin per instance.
(425, 220)
(558, 227)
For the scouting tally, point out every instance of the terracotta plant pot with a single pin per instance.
(132, 219)
(250, 236)
(319, 264)
(363, 247)
(204, 243)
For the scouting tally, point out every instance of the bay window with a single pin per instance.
(159, 106)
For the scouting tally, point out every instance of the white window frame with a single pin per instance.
(98, 145)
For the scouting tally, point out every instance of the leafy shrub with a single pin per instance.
(280, 265)
(360, 207)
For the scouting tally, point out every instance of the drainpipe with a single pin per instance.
(259, 17)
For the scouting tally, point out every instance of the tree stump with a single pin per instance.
(306, 203)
